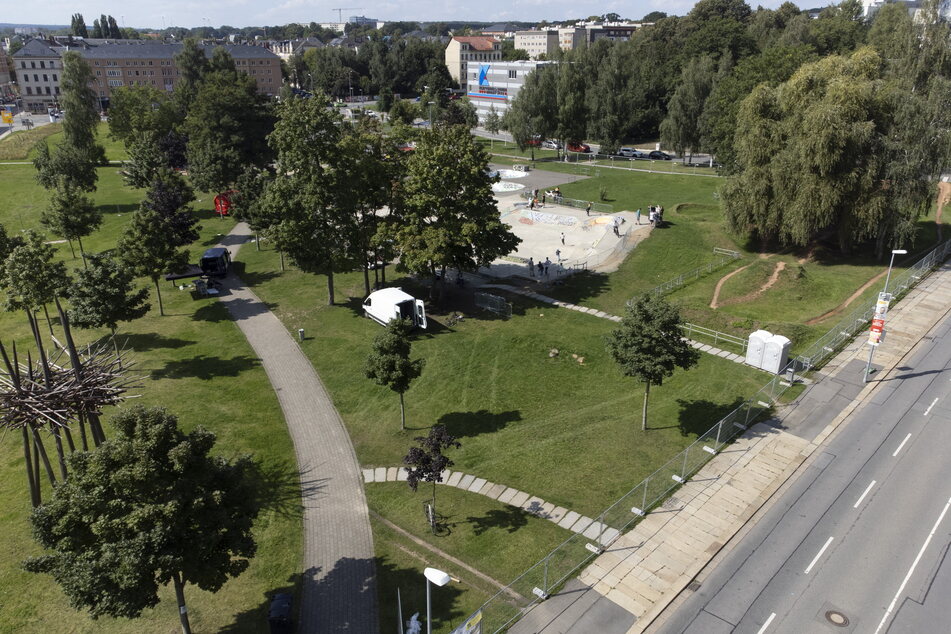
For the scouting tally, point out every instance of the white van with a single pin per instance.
(386, 304)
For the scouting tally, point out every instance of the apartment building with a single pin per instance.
(573, 37)
(496, 84)
(39, 64)
(537, 43)
(465, 52)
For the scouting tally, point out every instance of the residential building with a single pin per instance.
(610, 31)
(495, 84)
(285, 49)
(500, 31)
(463, 52)
(537, 43)
(39, 64)
(573, 37)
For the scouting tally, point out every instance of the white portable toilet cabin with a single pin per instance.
(776, 354)
(387, 304)
(757, 347)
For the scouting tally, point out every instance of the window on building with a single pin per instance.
(57, 90)
(511, 74)
(115, 82)
(29, 90)
(98, 73)
(54, 77)
(22, 64)
(48, 90)
(46, 77)
(32, 64)
(42, 64)
(36, 78)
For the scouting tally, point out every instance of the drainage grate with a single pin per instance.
(693, 586)
(671, 503)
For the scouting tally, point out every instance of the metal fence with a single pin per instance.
(600, 208)
(720, 257)
(713, 337)
(546, 576)
(826, 346)
(494, 303)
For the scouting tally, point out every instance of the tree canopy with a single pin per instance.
(150, 506)
(389, 364)
(104, 294)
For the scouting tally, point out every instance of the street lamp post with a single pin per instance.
(888, 276)
(440, 578)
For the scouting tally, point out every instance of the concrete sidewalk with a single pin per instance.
(339, 589)
(630, 586)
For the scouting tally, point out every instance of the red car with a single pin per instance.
(579, 147)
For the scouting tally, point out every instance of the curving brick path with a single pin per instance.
(338, 589)
(569, 520)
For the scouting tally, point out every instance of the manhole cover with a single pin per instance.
(837, 618)
(671, 503)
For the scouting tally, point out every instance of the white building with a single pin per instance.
(573, 37)
(537, 43)
(466, 53)
(496, 84)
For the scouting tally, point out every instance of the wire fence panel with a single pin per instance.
(720, 257)
(494, 303)
(600, 208)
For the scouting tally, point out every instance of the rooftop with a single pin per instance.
(478, 42)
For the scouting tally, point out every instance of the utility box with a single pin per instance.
(757, 347)
(776, 354)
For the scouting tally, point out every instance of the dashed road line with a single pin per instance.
(928, 411)
(864, 493)
(901, 445)
(766, 624)
(818, 555)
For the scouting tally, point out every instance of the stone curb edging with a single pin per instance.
(569, 520)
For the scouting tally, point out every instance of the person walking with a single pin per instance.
(562, 239)
(531, 267)
(547, 264)
(540, 267)
(637, 215)
(558, 255)
(587, 210)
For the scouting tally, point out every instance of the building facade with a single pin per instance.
(115, 64)
(494, 85)
(572, 37)
(464, 53)
(537, 43)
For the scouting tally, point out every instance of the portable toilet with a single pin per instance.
(776, 354)
(756, 347)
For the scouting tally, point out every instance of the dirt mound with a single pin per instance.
(715, 302)
(780, 267)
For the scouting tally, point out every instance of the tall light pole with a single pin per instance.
(883, 297)
(440, 578)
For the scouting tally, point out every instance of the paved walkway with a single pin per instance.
(569, 520)
(339, 589)
(650, 568)
(702, 347)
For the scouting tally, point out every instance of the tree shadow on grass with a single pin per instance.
(283, 489)
(142, 341)
(213, 313)
(508, 518)
(468, 424)
(697, 417)
(111, 208)
(576, 288)
(252, 278)
(206, 368)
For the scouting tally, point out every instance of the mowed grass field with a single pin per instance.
(193, 361)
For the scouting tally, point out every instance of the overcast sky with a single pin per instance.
(239, 13)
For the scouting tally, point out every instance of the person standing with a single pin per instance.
(562, 239)
(547, 264)
(637, 215)
(558, 255)
(587, 210)
(540, 267)
(531, 267)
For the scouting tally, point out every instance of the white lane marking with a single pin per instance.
(928, 411)
(934, 529)
(901, 445)
(818, 554)
(766, 624)
(862, 497)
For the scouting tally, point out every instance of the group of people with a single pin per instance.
(542, 266)
(555, 194)
(655, 215)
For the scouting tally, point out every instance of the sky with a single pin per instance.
(240, 13)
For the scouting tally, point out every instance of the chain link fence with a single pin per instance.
(600, 208)
(546, 576)
(720, 257)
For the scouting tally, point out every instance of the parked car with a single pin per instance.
(657, 155)
(630, 152)
(534, 141)
(551, 144)
(579, 147)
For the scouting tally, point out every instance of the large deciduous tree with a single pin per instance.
(169, 195)
(32, 277)
(149, 248)
(648, 344)
(450, 217)
(150, 506)
(303, 209)
(79, 101)
(389, 364)
(71, 215)
(681, 130)
(843, 150)
(104, 294)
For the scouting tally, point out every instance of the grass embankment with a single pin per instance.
(197, 364)
(19, 145)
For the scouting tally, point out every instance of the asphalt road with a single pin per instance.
(858, 542)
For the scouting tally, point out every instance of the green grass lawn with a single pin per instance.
(195, 362)
(115, 150)
(17, 146)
